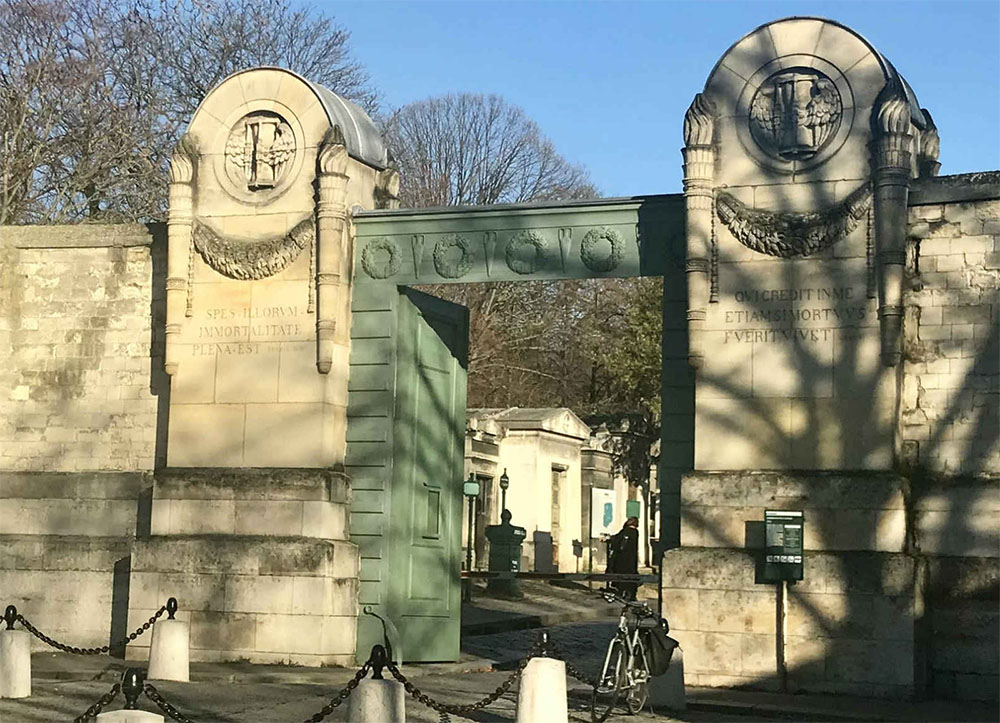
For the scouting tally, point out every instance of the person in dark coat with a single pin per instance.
(623, 557)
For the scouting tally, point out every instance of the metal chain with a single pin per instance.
(570, 668)
(580, 675)
(89, 651)
(464, 710)
(342, 695)
(93, 711)
(172, 713)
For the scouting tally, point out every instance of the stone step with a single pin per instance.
(68, 586)
(257, 598)
(200, 483)
(283, 503)
(91, 504)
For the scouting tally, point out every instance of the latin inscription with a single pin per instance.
(239, 331)
(778, 315)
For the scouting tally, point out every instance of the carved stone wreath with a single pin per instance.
(375, 268)
(446, 267)
(792, 234)
(516, 248)
(247, 260)
(589, 250)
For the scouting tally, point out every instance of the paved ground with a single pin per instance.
(65, 685)
(275, 703)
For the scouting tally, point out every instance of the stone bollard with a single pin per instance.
(15, 658)
(666, 692)
(129, 716)
(168, 651)
(377, 700)
(541, 696)
(133, 681)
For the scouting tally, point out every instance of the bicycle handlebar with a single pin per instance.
(613, 597)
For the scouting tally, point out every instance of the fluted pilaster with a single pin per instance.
(699, 178)
(179, 221)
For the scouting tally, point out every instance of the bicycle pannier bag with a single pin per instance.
(659, 649)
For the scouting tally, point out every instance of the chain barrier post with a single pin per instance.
(103, 650)
(377, 700)
(15, 658)
(542, 693)
(132, 686)
(169, 651)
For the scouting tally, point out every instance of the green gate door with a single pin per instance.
(406, 460)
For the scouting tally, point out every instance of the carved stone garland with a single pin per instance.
(792, 234)
(515, 248)
(598, 262)
(446, 267)
(255, 260)
(371, 265)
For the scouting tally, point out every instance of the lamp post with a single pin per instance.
(504, 484)
(471, 491)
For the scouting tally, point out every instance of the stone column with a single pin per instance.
(333, 271)
(699, 175)
(892, 177)
(179, 220)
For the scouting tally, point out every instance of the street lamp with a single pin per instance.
(471, 490)
(504, 484)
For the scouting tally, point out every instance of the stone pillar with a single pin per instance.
(699, 175)
(179, 220)
(892, 177)
(333, 272)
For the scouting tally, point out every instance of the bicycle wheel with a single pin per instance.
(609, 686)
(637, 695)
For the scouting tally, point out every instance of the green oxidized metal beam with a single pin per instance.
(582, 239)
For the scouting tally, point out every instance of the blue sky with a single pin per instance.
(609, 82)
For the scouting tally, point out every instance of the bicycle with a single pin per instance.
(626, 666)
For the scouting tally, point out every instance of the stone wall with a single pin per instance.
(900, 589)
(80, 347)
(950, 407)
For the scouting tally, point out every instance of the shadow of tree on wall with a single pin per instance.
(848, 426)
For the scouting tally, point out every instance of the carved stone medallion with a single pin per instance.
(794, 113)
(259, 153)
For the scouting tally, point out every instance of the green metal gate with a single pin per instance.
(405, 436)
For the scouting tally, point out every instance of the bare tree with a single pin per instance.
(465, 148)
(95, 93)
(592, 345)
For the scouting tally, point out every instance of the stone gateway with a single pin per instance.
(257, 414)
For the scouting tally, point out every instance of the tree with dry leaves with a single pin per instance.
(95, 93)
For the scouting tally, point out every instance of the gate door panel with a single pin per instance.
(407, 514)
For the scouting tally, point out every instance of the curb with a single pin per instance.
(781, 712)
